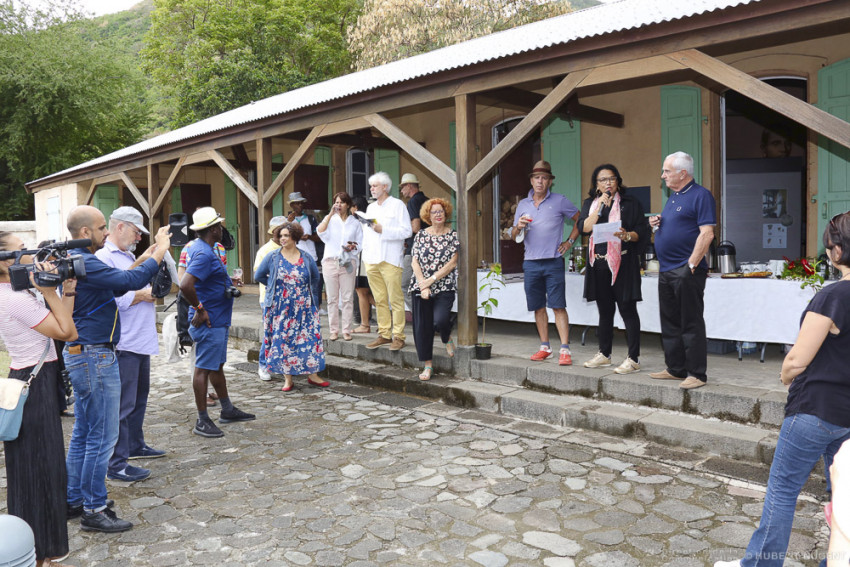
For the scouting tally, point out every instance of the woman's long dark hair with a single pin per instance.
(837, 233)
(595, 174)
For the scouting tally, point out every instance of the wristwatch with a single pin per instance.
(571, 241)
(692, 266)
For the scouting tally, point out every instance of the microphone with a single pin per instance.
(69, 244)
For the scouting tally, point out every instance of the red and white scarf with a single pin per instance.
(614, 246)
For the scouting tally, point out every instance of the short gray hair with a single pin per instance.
(681, 161)
(381, 178)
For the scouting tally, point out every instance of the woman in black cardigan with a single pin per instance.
(613, 269)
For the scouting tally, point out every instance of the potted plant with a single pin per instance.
(491, 281)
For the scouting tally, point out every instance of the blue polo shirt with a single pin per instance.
(546, 230)
(684, 213)
(205, 265)
(95, 310)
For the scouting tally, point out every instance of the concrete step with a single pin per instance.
(751, 443)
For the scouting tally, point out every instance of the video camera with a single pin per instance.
(67, 266)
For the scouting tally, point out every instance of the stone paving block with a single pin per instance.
(723, 438)
(643, 390)
(537, 406)
(613, 419)
(574, 380)
(772, 408)
(735, 403)
(504, 371)
(471, 394)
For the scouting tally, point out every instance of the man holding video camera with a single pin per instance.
(93, 368)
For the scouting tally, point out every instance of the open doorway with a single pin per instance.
(510, 186)
(764, 189)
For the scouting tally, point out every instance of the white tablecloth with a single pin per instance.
(755, 310)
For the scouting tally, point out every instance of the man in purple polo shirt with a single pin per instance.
(540, 219)
(138, 342)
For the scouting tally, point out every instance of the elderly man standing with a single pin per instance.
(409, 188)
(139, 341)
(270, 246)
(383, 246)
(93, 368)
(685, 229)
(540, 218)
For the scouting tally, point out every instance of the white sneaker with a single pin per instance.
(264, 374)
(736, 563)
(627, 367)
(598, 361)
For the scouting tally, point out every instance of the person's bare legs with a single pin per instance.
(287, 382)
(541, 319)
(199, 385)
(562, 323)
(364, 300)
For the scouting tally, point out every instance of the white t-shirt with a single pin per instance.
(307, 246)
(20, 311)
(388, 246)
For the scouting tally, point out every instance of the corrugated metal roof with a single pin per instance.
(599, 20)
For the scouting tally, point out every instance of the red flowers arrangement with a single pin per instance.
(804, 270)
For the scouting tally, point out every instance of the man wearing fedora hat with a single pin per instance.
(205, 286)
(541, 217)
(310, 242)
(409, 188)
(267, 248)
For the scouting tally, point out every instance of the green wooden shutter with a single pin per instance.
(388, 161)
(177, 200)
(833, 158)
(277, 200)
(681, 126)
(562, 149)
(322, 156)
(106, 199)
(453, 164)
(231, 221)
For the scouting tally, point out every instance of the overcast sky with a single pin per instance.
(97, 7)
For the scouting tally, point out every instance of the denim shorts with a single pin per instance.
(210, 346)
(545, 284)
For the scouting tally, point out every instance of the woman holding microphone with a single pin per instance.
(35, 461)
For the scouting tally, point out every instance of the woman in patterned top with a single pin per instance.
(35, 462)
(435, 251)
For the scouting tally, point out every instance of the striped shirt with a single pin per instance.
(20, 311)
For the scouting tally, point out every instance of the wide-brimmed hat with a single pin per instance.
(408, 178)
(205, 217)
(130, 215)
(542, 167)
(276, 222)
(295, 197)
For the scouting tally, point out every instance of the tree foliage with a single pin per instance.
(389, 30)
(215, 55)
(63, 100)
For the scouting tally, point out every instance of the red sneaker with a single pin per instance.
(565, 359)
(541, 354)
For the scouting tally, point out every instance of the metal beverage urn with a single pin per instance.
(726, 257)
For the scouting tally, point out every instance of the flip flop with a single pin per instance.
(450, 348)
(426, 373)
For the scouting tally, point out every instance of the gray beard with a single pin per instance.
(131, 248)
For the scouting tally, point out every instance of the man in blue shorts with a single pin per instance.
(540, 219)
(205, 286)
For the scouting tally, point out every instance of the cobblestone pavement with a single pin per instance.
(349, 476)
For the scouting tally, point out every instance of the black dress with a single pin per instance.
(35, 465)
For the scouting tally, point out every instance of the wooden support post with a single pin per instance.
(797, 110)
(299, 156)
(234, 175)
(166, 189)
(153, 193)
(143, 203)
(264, 180)
(467, 284)
(90, 193)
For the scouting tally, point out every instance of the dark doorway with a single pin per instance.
(194, 196)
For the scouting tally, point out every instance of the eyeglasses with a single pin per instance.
(438, 212)
(606, 179)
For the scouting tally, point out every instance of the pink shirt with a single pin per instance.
(20, 311)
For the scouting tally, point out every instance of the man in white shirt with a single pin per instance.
(267, 248)
(383, 250)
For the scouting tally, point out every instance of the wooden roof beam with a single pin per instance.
(522, 130)
(412, 148)
(242, 162)
(797, 110)
(572, 110)
(166, 189)
(234, 176)
(297, 158)
(352, 140)
(146, 208)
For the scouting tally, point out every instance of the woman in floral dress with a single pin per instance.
(435, 251)
(293, 337)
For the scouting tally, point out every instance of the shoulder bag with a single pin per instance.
(13, 396)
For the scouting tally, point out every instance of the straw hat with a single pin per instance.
(409, 178)
(542, 167)
(205, 217)
(276, 222)
(295, 197)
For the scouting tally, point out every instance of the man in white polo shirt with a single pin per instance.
(383, 249)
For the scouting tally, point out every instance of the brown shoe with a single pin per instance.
(380, 341)
(398, 344)
(663, 375)
(690, 383)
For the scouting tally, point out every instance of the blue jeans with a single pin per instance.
(802, 440)
(135, 370)
(97, 388)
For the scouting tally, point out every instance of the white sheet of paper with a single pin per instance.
(605, 232)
